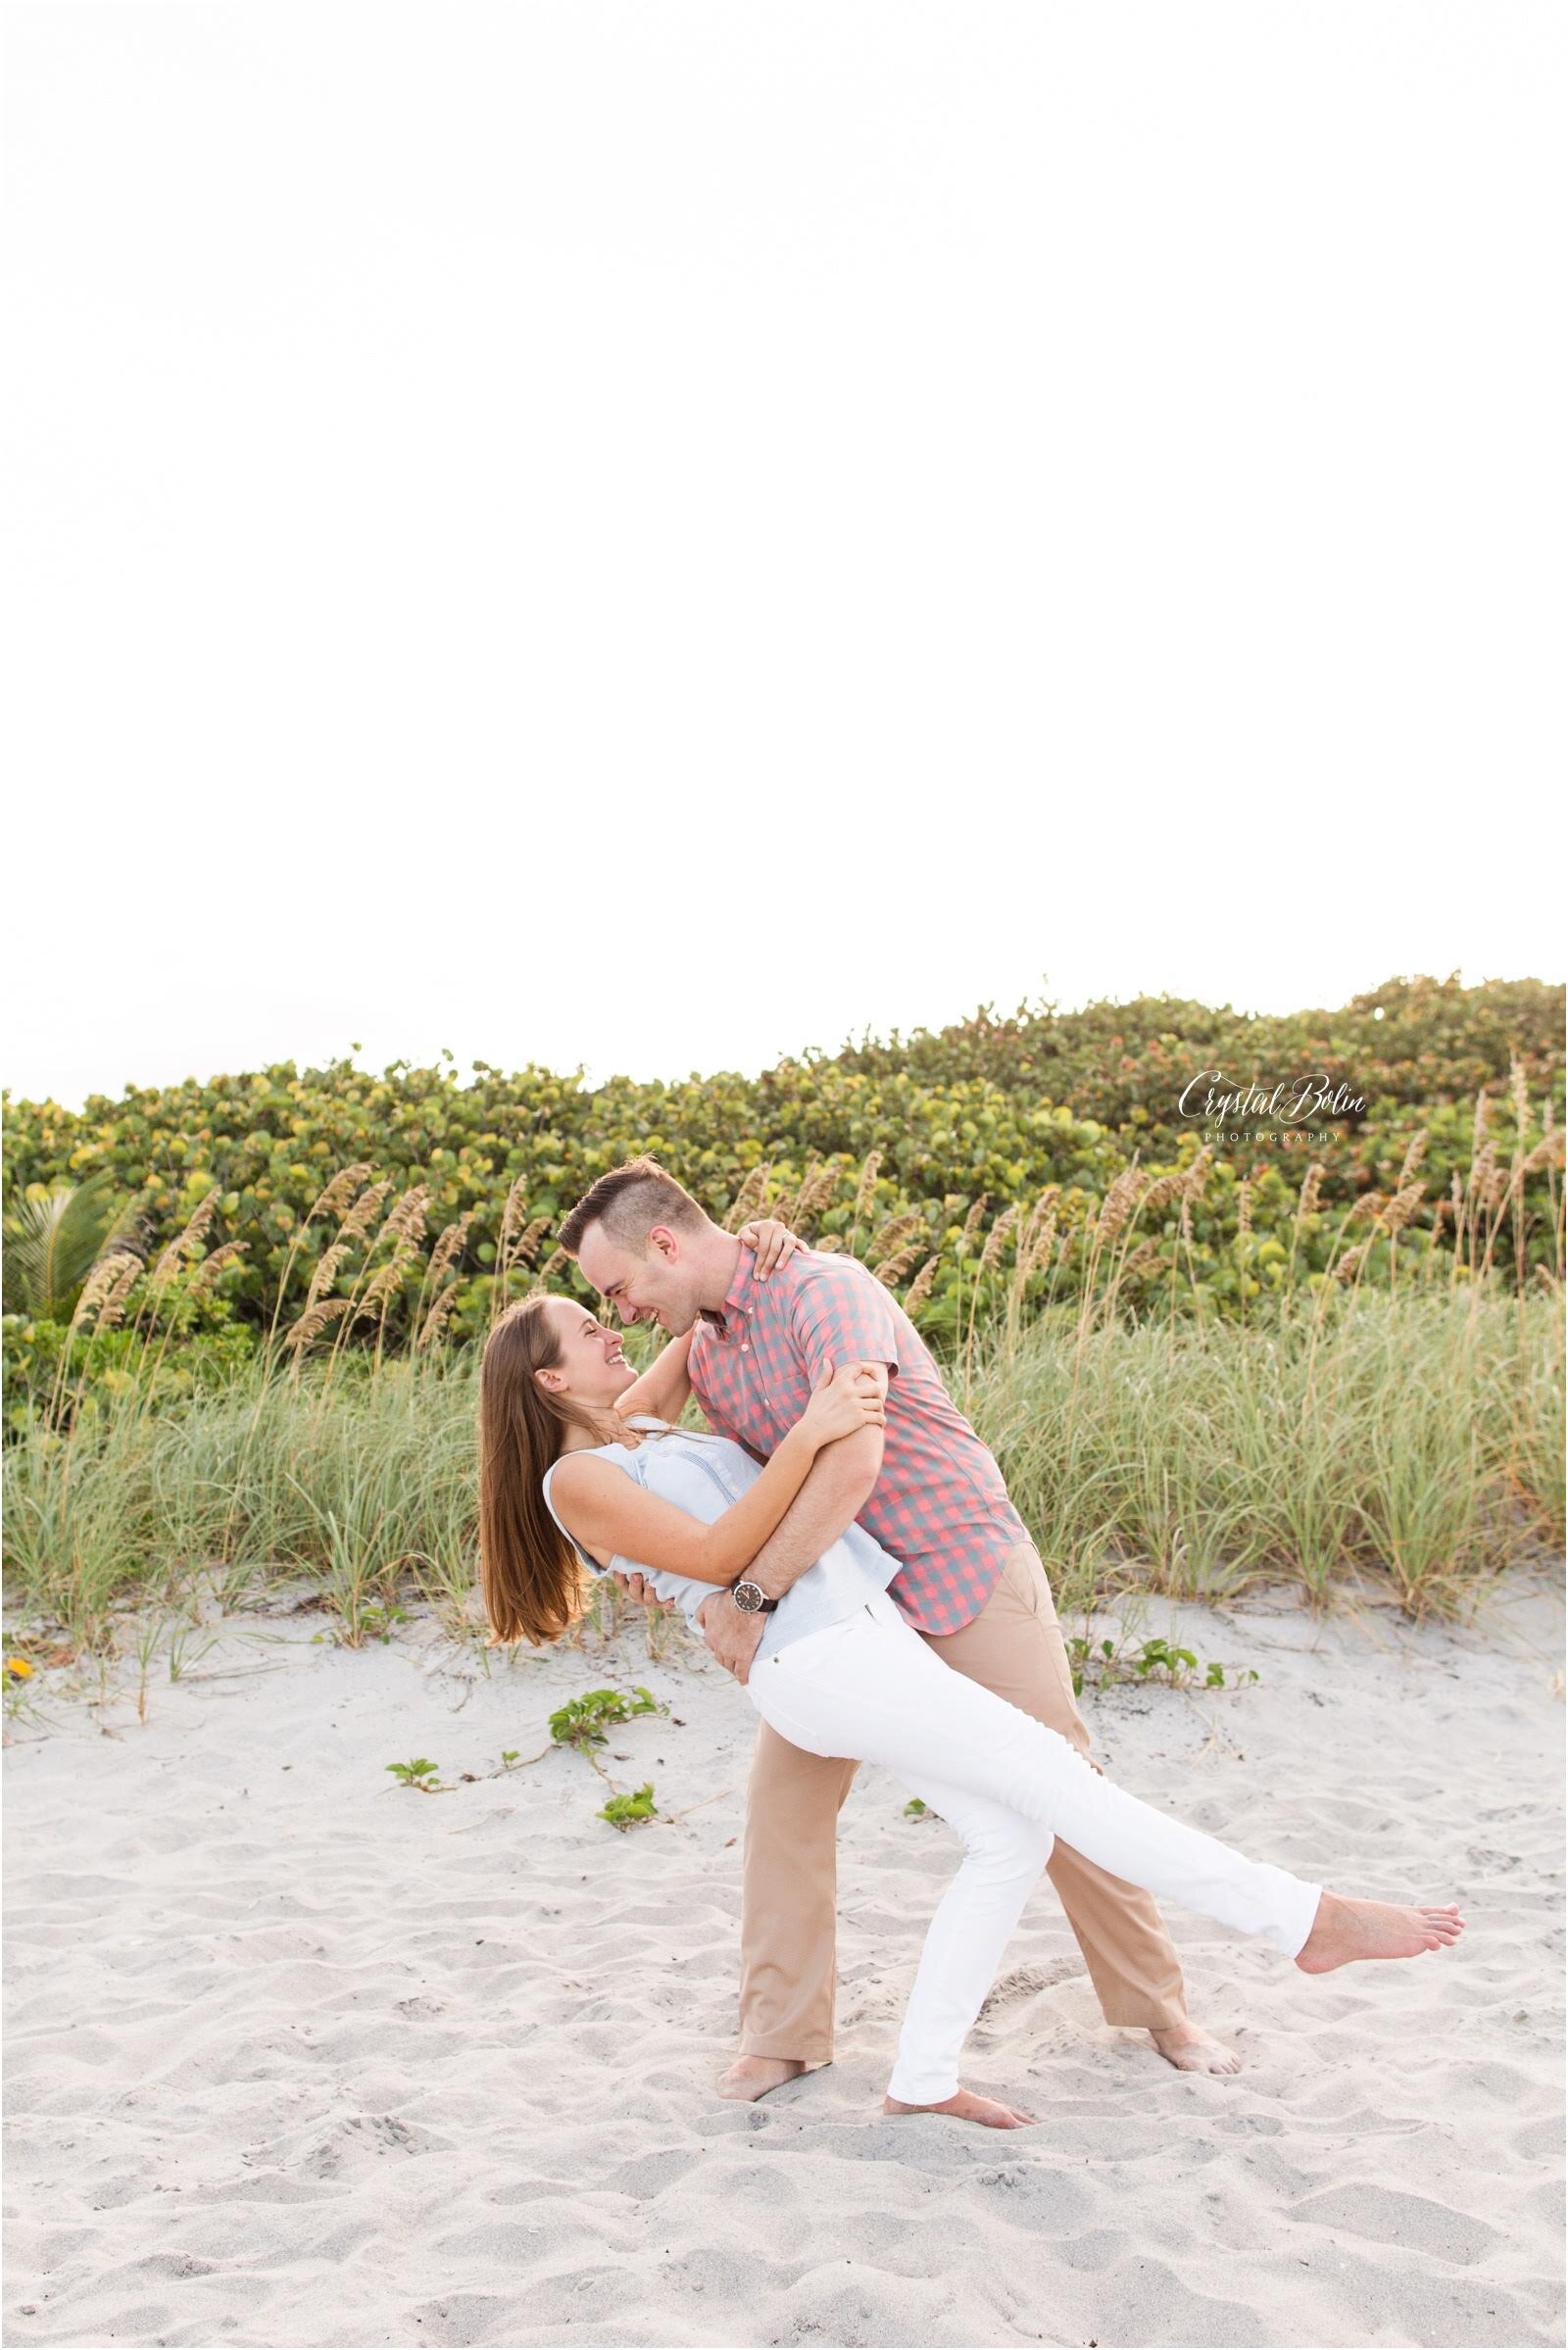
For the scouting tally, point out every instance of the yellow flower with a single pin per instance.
(19, 1668)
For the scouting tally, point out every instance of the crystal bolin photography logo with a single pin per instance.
(1286, 1112)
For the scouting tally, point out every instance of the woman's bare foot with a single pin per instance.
(966, 2106)
(1345, 1929)
(752, 2077)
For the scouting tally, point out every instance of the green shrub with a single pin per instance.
(976, 1169)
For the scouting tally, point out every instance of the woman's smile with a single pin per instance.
(595, 1333)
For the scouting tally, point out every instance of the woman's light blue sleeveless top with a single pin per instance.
(703, 1475)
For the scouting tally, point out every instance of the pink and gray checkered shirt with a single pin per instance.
(939, 1504)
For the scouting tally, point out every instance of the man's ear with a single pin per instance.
(663, 1242)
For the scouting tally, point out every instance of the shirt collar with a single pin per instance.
(731, 1319)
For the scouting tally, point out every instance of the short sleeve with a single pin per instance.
(838, 1316)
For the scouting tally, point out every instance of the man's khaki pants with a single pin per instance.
(788, 1978)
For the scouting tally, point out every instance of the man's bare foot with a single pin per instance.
(1345, 1929)
(752, 2077)
(1192, 2049)
(966, 2106)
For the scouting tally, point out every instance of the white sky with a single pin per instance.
(659, 535)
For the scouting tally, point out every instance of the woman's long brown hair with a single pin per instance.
(530, 1575)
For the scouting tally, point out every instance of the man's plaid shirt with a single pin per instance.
(939, 1504)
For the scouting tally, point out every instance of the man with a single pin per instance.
(970, 1583)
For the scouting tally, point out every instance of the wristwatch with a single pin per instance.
(751, 1598)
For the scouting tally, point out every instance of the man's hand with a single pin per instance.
(733, 1636)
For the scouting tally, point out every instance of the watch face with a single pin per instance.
(748, 1597)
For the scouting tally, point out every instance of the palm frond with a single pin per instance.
(53, 1242)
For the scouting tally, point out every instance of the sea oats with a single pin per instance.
(1519, 1087)
(1197, 1173)
(996, 1240)
(1415, 1154)
(1243, 1206)
(866, 1191)
(1483, 1167)
(1311, 1187)
(314, 1321)
(1040, 1246)
(1117, 1206)
(1402, 1206)
(553, 1263)
(512, 1214)
(525, 1247)
(112, 1312)
(431, 1327)
(971, 1222)
(789, 1207)
(326, 1272)
(407, 1219)
(211, 1266)
(363, 1214)
(816, 1193)
(100, 1284)
(749, 1197)
(1349, 1262)
(897, 1231)
(1044, 1206)
(448, 1248)
(919, 1288)
(1161, 1192)
(892, 1269)
(336, 1194)
(379, 1289)
(180, 1248)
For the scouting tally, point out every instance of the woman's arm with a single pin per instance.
(608, 1511)
(664, 1387)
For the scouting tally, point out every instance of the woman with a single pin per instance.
(580, 1473)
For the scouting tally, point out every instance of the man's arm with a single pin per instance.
(841, 1483)
(838, 1489)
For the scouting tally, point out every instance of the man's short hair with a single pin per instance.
(629, 1201)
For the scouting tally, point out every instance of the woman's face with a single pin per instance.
(592, 1368)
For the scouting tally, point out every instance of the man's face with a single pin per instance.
(659, 1286)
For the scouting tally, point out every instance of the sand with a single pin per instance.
(299, 2056)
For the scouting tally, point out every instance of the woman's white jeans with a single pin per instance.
(870, 1690)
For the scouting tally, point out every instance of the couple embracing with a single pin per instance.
(845, 1544)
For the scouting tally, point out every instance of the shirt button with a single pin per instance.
(746, 1346)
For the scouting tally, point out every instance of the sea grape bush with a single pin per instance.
(1000, 1165)
(1410, 1041)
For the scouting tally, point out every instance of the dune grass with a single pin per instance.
(1419, 1437)
(1415, 1435)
